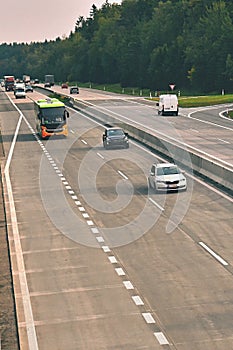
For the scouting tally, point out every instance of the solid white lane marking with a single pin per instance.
(122, 174)
(120, 271)
(161, 338)
(27, 308)
(148, 317)
(128, 285)
(100, 155)
(137, 300)
(156, 204)
(216, 256)
(83, 141)
(112, 259)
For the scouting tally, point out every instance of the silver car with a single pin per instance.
(167, 177)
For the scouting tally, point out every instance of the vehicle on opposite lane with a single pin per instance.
(167, 177)
(115, 137)
(74, 90)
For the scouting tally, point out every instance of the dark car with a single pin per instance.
(47, 85)
(74, 90)
(115, 137)
(28, 88)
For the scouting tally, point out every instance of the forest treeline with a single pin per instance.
(140, 43)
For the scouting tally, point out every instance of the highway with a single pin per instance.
(108, 263)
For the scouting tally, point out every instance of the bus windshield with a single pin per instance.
(53, 115)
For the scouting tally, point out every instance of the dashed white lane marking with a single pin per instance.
(138, 301)
(74, 197)
(223, 141)
(122, 174)
(100, 155)
(100, 239)
(81, 209)
(120, 271)
(161, 338)
(83, 141)
(72, 131)
(128, 285)
(148, 317)
(112, 259)
(156, 204)
(85, 215)
(216, 256)
(106, 249)
(77, 202)
(94, 230)
(90, 223)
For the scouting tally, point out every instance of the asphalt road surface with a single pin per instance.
(101, 262)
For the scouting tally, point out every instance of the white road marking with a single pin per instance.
(106, 249)
(148, 317)
(128, 285)
(27, 308)
(83, 141)
(100, 239)
(156, 204)
(123, 175)
(72, 131)
(120, 271)
(112, 259)
(90, 223)
(71, 192)
(94, 230)
(223, 141)
(81, 209)
(100, 155)
(77, 202)
(74, 197)
(216, 256)
(161, 338)
(68, 187)
(138, 301)
(85, 215)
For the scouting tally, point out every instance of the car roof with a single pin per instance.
(164, 165)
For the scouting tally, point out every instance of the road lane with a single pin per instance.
(183, 289)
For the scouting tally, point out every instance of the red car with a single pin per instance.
(64, 86)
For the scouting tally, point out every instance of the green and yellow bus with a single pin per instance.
(51, 117)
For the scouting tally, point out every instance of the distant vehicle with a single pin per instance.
(28, 88)
(47, 85)
(19, 90)
(26, 79)
(9, 82)
(36, 81)
(74, 90)
(115, 137)
(49, 78)
(64, 86)
(51, 117)
(167, 177)
(168, 104)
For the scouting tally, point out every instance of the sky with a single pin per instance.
(36, 20)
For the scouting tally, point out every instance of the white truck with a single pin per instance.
(168, 104)
(26, 79)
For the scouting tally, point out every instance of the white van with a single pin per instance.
(19, 91)
(168, 104)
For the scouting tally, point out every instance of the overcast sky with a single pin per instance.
(37, 20)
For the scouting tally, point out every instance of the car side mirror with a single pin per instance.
(152, 173)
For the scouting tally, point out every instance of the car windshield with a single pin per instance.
(53, 115)
(115, 132)
(171, 170)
